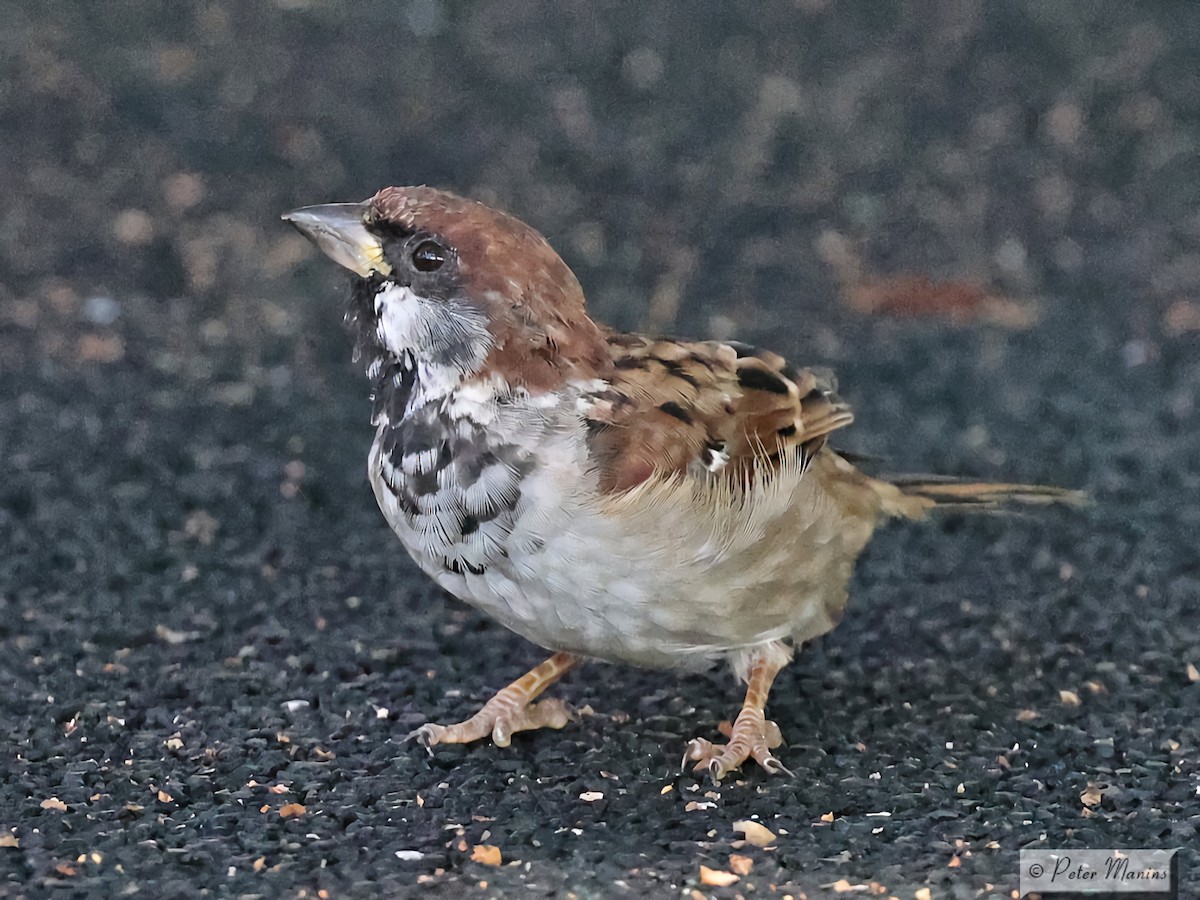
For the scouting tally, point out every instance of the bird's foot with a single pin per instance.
(509, 711)
(499, 718)
(751, 737)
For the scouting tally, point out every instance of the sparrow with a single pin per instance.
(608, 496)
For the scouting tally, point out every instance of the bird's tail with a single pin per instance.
(913, 496)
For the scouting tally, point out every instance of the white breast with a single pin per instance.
(668, 574)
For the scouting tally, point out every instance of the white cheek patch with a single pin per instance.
(403, 320)
(448, 341)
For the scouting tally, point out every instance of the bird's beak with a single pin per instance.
(340, 232)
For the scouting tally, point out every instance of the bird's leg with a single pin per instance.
(751, 736)
(511, 710)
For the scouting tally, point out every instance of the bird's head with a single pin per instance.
(460, 289)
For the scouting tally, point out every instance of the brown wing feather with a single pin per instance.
(679, 406)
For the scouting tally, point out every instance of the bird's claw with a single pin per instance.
(423, 736)
(748, 739)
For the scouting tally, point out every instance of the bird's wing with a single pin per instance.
(706, 408)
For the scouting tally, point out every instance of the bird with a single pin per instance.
(664, 503)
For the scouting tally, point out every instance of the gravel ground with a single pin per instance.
(983, 216)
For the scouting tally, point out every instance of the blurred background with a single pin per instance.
(984, 215)
(726, 167)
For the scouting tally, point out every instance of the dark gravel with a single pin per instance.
(210, 645)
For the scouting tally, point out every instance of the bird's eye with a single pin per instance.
(428, 256)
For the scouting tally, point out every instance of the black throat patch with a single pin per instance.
(363, 323)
